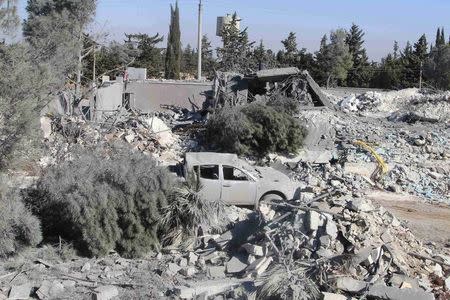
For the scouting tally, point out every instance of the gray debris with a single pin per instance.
(398, 280)
(235, 265)
(105, 292)
(192, 258)
(50, 290)
(313, 221)
(393, 293)
(208, 288)
(19, 292)
(331, 228)
(173, 268)
(350, 285)
(331, 296)
(360, 205)
(216, 272)
(86, 267)
(188, 271)
(253, 249)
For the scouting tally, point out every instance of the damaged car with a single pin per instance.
(232, 180)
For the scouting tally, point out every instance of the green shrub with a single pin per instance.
(255, 129)
(284, 104)
(103, 200)
(227, 129)
(18, 227)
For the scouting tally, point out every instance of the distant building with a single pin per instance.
(136, 73)
(222, 21)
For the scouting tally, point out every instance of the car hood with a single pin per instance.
(272, 175)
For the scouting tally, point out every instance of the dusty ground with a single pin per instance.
(428, 221)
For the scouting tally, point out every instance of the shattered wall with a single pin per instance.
(149, 94)
(109, 97)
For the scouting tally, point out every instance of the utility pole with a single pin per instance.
(421, 71)
(94, 79)
(199, 42)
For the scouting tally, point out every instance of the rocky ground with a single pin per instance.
(351, 234)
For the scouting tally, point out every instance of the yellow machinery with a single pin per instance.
(382, 167)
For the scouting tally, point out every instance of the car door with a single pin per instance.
(237, 187)
(210, 181)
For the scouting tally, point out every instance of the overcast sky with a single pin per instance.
(383, 20)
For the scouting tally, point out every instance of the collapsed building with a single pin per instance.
(152, 95)
(235, 88)
(333, 243)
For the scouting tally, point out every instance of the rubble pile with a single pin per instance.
(147, 134)
(331, 242)
(410, 105)
(318, 247)
(416, 155)
(110, 277)
(343, 245)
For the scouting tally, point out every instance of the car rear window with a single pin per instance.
(208, 171)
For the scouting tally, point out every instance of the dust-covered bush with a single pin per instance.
(104, 199)
(18, 227)
(228, 128)
(188, 211)
(255, 129)
(284, 104)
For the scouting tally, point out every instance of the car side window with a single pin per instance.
(234, 174)
(207, 171)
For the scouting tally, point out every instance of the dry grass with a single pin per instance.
(187, 211)
(280, 283)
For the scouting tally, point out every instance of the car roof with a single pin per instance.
(210, 158)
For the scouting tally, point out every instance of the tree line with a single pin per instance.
(340, 61)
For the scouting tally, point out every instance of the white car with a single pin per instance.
(226, 177)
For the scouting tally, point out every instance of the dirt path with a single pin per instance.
(429, 222)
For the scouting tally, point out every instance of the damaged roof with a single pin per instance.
(210, 158)
(277, 74)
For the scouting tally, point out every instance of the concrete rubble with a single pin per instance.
(332, 242)
(234, 89)
(409, 105)
(148, 134)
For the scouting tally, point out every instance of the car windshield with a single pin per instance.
(250, 169)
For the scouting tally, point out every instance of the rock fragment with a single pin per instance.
(105, 292)
(50, 290)
(350, 285)
(390, 293)
(235, 265)
(19, 292)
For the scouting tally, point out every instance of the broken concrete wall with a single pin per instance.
(316, 92)
(58, 106)
(149, 94)
(137, 73)
(108, 98)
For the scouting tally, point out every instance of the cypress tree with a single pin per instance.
(396, 48)
(173, 52)
(442, 40)
(421, 48)
(360, 75)
(438, 37)
(290, 56)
